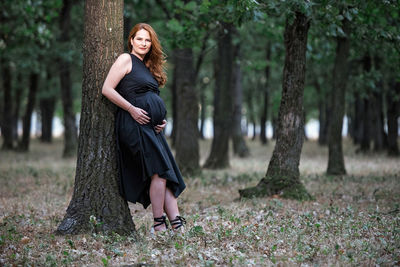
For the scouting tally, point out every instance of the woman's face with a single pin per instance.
(141, 43)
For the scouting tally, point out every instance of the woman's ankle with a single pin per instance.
(160, 223)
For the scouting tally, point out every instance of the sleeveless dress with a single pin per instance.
(141, 151)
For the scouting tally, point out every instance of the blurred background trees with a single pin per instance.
(225, 63)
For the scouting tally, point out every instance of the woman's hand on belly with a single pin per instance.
(159, 128)
(139, 115)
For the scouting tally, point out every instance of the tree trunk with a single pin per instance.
(202, 111)
(393, 112)
(365, 143)
(340, 76)
(380, 140)
(96, 190)
(17, 107)
(358, 119)
(47, 107)
(250, 114)
(253, 121)
(283, 175)
(379, 135)
(239, 144)
(219, 156)
(26, 121)
(304, 125)
(186, 143)
(264, 115)
(274, 126)
(7, 117)
(70, 129)
(323, 129)
(366, 130)
(174, 105)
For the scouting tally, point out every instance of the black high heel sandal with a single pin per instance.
(178, 222)
(160, 221)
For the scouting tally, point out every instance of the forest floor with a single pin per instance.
(354, 219)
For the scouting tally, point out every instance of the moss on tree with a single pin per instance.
(285, 186)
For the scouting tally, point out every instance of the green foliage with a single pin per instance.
(29, 40)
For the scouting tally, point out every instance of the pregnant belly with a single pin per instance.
(154, 106)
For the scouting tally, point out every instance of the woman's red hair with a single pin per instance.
(155, 58)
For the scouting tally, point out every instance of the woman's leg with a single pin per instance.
(157, 198)
(170, 205)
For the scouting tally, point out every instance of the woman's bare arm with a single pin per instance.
(118, 70)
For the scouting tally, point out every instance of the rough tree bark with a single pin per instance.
(283, 175)
(96, 182)
(340, 75)
(186, 143)
(239, 144)
(219, 156)
(393, 112)
(264, 115)
(26, 120)
(70, 129)
(7, 116)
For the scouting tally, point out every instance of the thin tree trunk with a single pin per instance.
(253, 121)
(174, 105)
(239, 144)
(7, 116)
(219, 156)
(17, 105)
(379, 135)
(70, 129)
(202, 87)
(393, 112)
(304, 125)
(96, 182)
(250, 116)
(322, 133)
(26, 121)
(340, 75)
(283, 174)
(264, 115)
(202, 111)
(358, 119)
(365, 144)
(186, 143)
(47, 107)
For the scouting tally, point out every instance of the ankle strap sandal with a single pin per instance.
(160, 221)
(178, 222)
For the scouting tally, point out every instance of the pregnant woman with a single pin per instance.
(147, 170)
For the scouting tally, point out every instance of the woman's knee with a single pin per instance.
(158, 179)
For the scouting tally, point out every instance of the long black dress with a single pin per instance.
(141, 151)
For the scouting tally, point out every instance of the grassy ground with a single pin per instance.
(354, 219)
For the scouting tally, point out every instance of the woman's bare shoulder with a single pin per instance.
(124, 61)
(124, 58)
